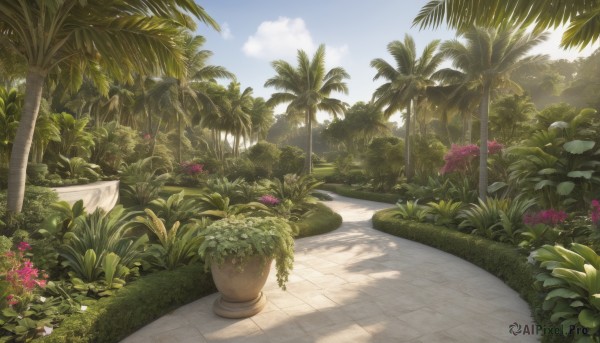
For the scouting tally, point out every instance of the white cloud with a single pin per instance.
(226, 31)
(282, 38)
(334, 55)
(279, 39)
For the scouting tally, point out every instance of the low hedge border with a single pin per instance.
(152, 296)
(348, 191)
(322, 219)
(501, 260)
(139, 303)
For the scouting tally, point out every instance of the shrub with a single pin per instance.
(291, 161)
(352, 192)
(114, 144)
(36, 207)
(445, 212)
(140, 183)
(265, 157)
(385, 162)
(412, 211)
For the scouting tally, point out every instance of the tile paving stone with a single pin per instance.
(357, 284)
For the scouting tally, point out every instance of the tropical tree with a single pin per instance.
(71, 37)
(484, 63)
(583, 16)
(406, 82)
(307, 88)
(262, 118)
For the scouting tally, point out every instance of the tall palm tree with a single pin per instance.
(306, 88)
(117, 37)
(262, 118)
(484, 63)
(583, 16)
(406, 82)
(179, 99)
(235, 114)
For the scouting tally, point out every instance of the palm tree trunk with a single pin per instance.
(22, 144)
(179, 139)
(483, 149)
(309, 147)
(407, 159)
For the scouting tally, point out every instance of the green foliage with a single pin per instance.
(77, 167)
(265, 157)
(11, 102)
(352, 192)
(445, 212)
(509, 118)
(319, 219)
(295, 188)
(573, 286)
(113, 318)
(217, 206)
(291, 161)
(560, 163)
(385, 162)
(75, 138)
(114, 144)
(412, 211)
(224, 187)
(497, 219)
(240, 239)
(176, 246)
(140, 184)
(36, 208)
(428, 156)
(176, 208)
(99, 244)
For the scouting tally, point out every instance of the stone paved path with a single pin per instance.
(356, 285)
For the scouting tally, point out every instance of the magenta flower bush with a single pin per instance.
(269, 200)
(548, 217)
(595, 214)
(22, 278)
(192, 169)
(460, 157)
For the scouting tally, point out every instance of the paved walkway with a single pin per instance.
(356, 285)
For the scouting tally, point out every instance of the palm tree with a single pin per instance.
(180, 99)
(235, 114)
(407, 82)
(484, 64)
(583, 16)
(117, 37)
(306, 89)
(262, 118)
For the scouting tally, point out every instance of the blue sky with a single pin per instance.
(256, 32)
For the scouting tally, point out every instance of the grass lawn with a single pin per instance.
(176, 189)
(322, 170)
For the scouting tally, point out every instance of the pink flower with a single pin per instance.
(595, 214)
(23, 246)
(548, 217)
(11, 300)
(192, 168)
(269, 200)
(459, 157)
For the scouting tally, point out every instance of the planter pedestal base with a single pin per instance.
(228, 309)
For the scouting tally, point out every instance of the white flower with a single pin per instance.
(47, 331)
(43, 299)
(83, 307)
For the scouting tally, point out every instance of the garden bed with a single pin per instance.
(103, 194)
(349, 191)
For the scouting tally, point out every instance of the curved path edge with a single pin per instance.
(357, 284)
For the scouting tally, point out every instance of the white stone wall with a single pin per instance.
(103, 194)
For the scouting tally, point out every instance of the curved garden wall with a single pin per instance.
(103, 194)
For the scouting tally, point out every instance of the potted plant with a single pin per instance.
(239, 252)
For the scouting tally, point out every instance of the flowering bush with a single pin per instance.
(269, 200)
(21, 277)
(192, 169)
(548, 217)
(595, 214)
(459, 158)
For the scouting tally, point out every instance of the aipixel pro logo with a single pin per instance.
(517, 329)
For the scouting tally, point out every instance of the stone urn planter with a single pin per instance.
(241, 290)
(239, 254)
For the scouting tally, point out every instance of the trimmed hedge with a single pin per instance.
(501, 260)
(321, 220)
(350, 192)
(114, 318)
